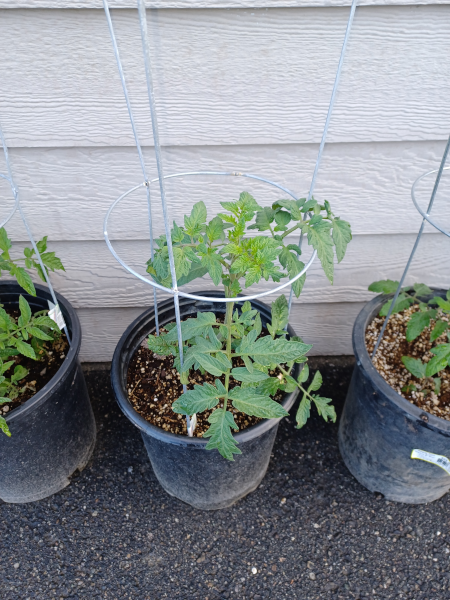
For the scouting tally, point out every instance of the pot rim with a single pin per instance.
(74, 326)
(174, 438)
(365, 316)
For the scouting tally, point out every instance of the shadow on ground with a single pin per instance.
(310, 530)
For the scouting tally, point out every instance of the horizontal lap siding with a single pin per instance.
(239, 90)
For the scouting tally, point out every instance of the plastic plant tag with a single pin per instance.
(435, 459)
(193, 425)
(56, 315)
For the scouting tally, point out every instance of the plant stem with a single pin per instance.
(285, 373)
(228, 324)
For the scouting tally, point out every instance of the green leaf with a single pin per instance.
(248, 401)
(52, 262)
(422, 290)
(403, 302)
(214, 267)
(268, 387)
(3, 400)
(342, 235)
(39, 334)
(263, 220)
(282, 218)
(195, 222)
(294, 267)
(220, 434)
(444, 304)
(5, 242)
(304, 374)
(45, 322)
(202, 397)
(316, 382)
(41, 245)
(25, 349)
(440, 328)
(386, 286)
(414, 366)
(216, 366)
(159, 344)
(243, 374)
(303, 412)
(324, 408)
(214, 229)
(24, 280)
(291, 206)
(320, 239)
(436, 364)
(193, 327)
(25, 310)
(4, 427)
(267, 351)
(19, 373)
(417, 324)
(196, 271)
(280, 313)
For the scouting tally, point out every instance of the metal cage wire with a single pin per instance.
(17, 206)
(174, 291)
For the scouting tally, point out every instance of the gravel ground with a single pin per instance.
(310, 531)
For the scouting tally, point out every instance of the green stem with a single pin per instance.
(228, 325)
(285, 373)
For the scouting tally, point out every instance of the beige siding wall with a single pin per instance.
(241, 89)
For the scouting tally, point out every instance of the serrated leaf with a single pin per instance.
(316, 382)
(444, 304)
(45, 322)
(159, 344)
(25, 310)
(202, 397)
(19, 373)
(303, 412)
(267, 351)
(248, 401)
(291, 206)
(294, 268)
(220, 434)
(214, 229)
(39, 334)
(385, 286)
(193, 327)
(403, 302)
(414, 366)
(440, 328)
(268, 387)
(5, 242)
(3, 400)
(52, 262)
(24, 280)
(41, 245)
(324, 408)
(196, 271)
(282, 218)
(417, 324)
(280, 313)
(4, 427)
(435, 365)
(25, 349)
(304, 374)
(263, 219)
(422, 290)
(320, 239)
(243, 374)
(214, 267)
(342, 235)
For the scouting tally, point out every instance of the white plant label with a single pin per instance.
(435, 459)
(193, 425)
(55, 314)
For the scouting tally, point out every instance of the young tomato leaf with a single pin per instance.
(24, 280)
(244, 375)
(202, 397)
(220, 434)
(440, 328)
(193, 327)
(25, 311)
(417, 324)
(320, 239)
(414, 366)
(267, 351)
(386, 286)
(280, 313)
(248, 401)
(303, 412)
(324, 408)
(4, 427)
(342, 235)
(25, 349)
(316, 382)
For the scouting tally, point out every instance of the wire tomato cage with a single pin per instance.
(161, 179)
(54, 312)
(426, 218)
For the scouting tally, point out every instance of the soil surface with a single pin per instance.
(388, 361)
(154, 385)
(310, 530)
(40, 371)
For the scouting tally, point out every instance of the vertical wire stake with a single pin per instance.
(138, 145)
(25, 222)
(416, 243)
(327, 123)
(159, 165)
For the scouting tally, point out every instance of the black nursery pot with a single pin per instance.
(379, 429)
(53, 433)
(184, 468)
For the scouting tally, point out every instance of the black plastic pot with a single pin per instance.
(53, 433)
(379, 429)
(202, 478)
